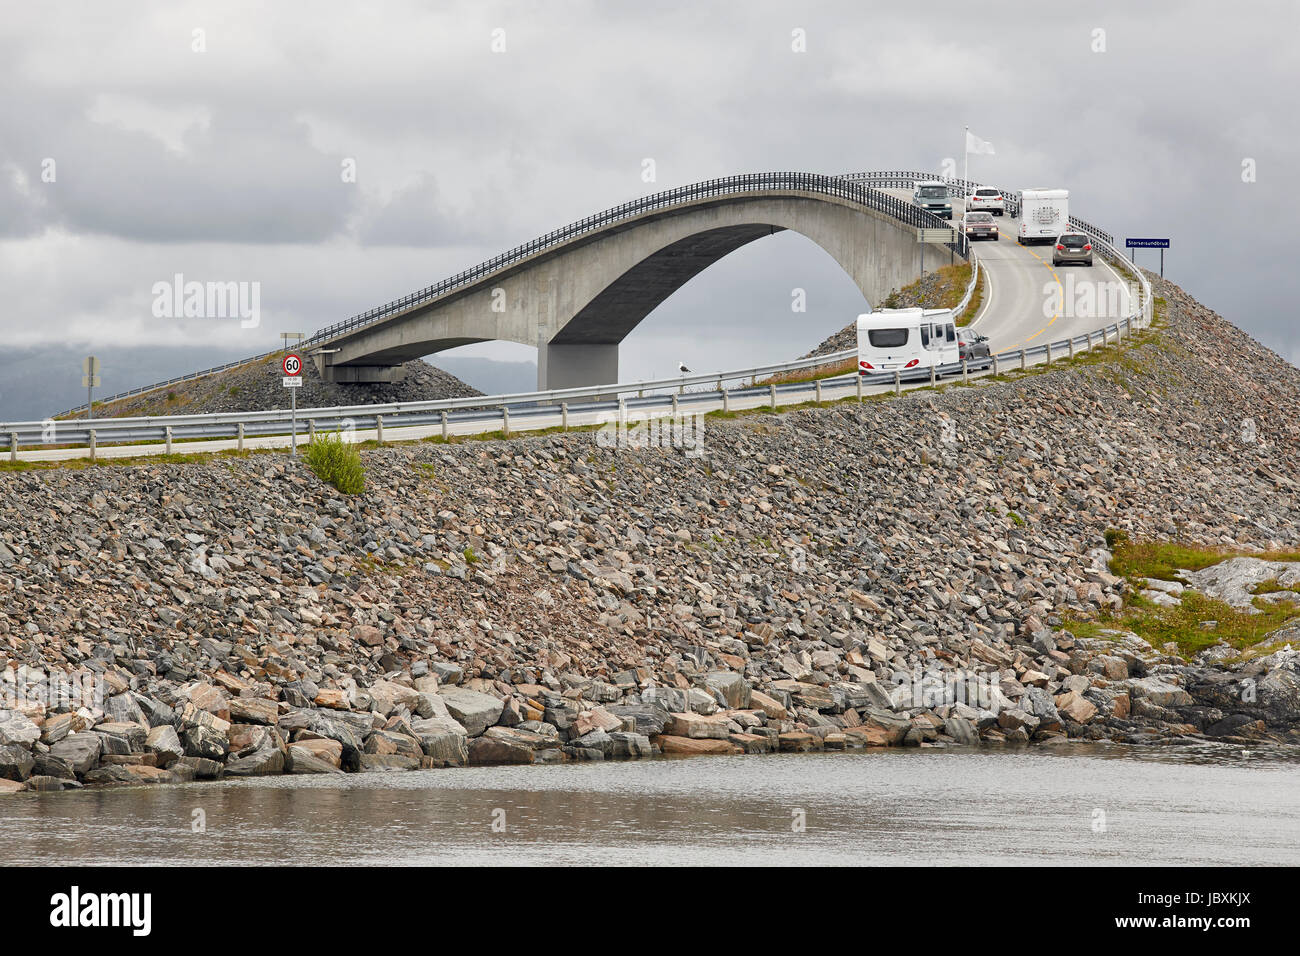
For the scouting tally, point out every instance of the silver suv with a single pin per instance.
(1072, 247)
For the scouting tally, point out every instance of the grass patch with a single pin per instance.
(950, 287)
(1162, 559)
(1184, 625)
(80, 464)
(336, 462)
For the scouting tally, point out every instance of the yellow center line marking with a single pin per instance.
(1055, 278)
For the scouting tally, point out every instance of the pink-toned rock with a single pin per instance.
(332, 697)
(1077, 708)
(253, 710)
(598, 718)
(768, 705)
(212, 699)
(698, 726)
(671, 744)
(331, 751)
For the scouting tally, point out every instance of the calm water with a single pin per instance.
(1176, 805)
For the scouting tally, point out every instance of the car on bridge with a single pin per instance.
(1072, 247)
(980, 225)
(932, 196)
(974, 348)
(986, 199)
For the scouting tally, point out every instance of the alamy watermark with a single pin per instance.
(179, 299)
(54, 689)
(636, 431)
(1087, 299)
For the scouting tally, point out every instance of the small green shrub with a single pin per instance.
(336, 462)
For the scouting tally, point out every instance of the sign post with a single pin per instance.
(292, 367)
(939, 236)
(90, 378)
(1161, 244)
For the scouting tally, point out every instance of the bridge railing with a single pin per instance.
(819, 184)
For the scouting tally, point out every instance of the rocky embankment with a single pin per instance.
(899, 572)
(258, 386)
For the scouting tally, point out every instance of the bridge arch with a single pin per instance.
(577, 298)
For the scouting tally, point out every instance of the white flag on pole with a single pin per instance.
(978, 146)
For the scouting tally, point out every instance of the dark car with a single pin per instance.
(1072, 247)
(980, 225)
(973, 348)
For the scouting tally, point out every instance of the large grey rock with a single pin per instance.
(79, 751)
(1039, 703)
(165, 743)
(476, 712)
(206, 742)
(1161, 693)
(379, 763)
(303, 761)
(1232, 581)
(16, 762)
(443, 740)
(261, 763)
(123, 708)
(201, 767)
(18, 728)
(732, 686)
(648, 719)
(122, 738)
(961, 730)
(625, 744)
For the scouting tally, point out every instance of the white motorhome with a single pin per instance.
(1044, 214)
(906, 339)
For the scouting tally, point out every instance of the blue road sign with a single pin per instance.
(1147, 243)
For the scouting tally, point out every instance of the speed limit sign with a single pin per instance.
(292, 364)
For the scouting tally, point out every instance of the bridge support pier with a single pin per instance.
(358, 374)
(573, 365)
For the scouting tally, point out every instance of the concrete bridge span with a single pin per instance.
(577, 296)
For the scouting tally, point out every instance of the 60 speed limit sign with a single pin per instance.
(292, 365)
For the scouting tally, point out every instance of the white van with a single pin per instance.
(1044, 214)
(906, 339)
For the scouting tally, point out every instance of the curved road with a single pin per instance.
(1027, 300)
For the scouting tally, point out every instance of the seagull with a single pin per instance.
(681, 367)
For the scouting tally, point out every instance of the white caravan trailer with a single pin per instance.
(906, 339)
(1044, 214)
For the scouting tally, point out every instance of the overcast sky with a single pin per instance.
(226, 163)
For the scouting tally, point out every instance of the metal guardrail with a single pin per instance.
(503, 410)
